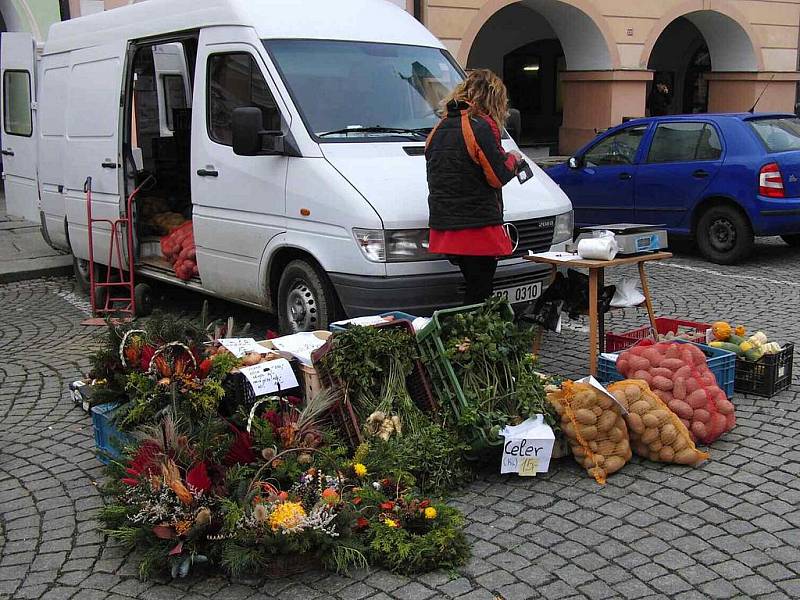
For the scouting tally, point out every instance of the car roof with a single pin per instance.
(743, 116)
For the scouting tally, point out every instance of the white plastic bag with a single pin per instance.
(627, 294)
(602, 247)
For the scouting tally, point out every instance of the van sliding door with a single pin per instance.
(93, 143)
(19, 131)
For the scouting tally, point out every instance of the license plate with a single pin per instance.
(521, 293)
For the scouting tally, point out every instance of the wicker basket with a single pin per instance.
(287, 565)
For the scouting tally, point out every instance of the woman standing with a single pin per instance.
(467, 168)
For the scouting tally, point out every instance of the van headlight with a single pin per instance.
(565, 224)
(398, 245)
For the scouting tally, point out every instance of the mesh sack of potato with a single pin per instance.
(679, 375)
(655, 431)
(594, 428)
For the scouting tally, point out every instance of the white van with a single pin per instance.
(291, 134)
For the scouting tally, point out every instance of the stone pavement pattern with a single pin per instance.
(730, 528)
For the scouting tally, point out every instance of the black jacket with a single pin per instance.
(467, 168)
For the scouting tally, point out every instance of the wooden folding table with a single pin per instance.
(596, 281)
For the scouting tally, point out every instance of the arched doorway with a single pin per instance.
(686, 52)
(531, 43)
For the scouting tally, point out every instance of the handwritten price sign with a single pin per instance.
(270, 377)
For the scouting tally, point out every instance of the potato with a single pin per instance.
(635, 423)
(699, 430)
(643, 376)
(679, 388)
(680, 408)
(614, 464)
(663, 415)
(697, 399)
(661, 383)
(569, 429)
(725, 407)
(606, 447)
(650, 434)
(656, 445)
(680, 442)
(607, 420)
(622, 398)
(650, 420)
(638, 363)
(666, 454)
(640, 407)
(584, 416)
(615, 434)
(661, 372)
(589, 432)
(578, 450)
(594, 446)
(583, 398)
(668, 434)
(673, 364)
(633, 393)
(653, 356)
(702, 415)
(599, 460)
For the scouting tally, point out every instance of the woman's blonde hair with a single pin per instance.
(485, 92)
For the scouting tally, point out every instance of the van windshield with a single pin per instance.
(360, 91)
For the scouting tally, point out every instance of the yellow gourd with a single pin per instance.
(721, 330)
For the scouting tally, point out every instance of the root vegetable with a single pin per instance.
(635, 423)
(702, 415)
(680, 408)
(585, 416)
(606, 421)
(661, 383)
(640, 407)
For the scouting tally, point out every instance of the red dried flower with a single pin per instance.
(198, 477)
(388, 505)
(362, 523)
(205, 368)
(241, 451)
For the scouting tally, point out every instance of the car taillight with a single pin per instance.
(770, 181)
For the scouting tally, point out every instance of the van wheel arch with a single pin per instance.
(294, 258)
(726, 213)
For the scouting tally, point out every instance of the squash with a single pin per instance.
(740, 331)
(721, 330)
(729, 346)
(735, 339)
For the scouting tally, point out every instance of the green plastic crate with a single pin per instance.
(443, 377)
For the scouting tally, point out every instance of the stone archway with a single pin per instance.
(18, 16)
(565, 53)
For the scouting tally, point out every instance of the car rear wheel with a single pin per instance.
(306, 299)
(724, 235)
(792, 240)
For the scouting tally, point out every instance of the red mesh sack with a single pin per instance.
(179, 249)
(679, 375)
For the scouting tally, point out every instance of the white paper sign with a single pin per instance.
(270, 377)
(528, 447)
(599, 387)
(557, 256)
(362, 321)
(241, 346)
(299, 345)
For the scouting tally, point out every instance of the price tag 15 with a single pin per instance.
(528, 467)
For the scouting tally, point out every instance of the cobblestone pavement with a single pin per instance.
(730, 528)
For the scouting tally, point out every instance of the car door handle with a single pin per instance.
(700, 174)
(207, 173)
(109, 165)
(7, 152)
(625, 176)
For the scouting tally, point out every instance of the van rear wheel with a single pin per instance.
(80, 268)
(306, 299)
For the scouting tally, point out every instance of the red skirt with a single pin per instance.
(478, 241)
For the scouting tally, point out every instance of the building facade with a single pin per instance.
(574, 67)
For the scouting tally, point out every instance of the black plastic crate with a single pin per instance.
(767, 376)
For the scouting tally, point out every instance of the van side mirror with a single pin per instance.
(514, 125)
(249, 137)
(574, 162)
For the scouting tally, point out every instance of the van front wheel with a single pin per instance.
(306, 299)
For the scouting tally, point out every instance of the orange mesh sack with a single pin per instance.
(655, 431)
(594, 427)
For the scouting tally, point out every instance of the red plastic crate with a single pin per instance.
(616, 342)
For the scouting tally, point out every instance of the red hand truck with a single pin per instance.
(136, 297)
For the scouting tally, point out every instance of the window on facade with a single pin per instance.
(617, 149)
(17, 103)
(684, 142)
(235, 81)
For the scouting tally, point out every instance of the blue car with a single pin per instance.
(720, 178)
